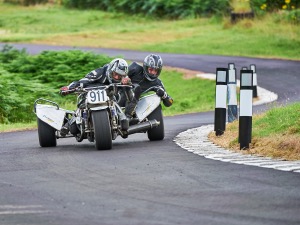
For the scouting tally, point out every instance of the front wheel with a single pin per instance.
(102, 130)
(47, 137)
(157, 133)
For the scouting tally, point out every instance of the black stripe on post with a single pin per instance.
(254, 91)
(245, 131)
(220, 121)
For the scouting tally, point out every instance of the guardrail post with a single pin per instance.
(221, 95)
(245, 118)
(231, 93)
(253, 68)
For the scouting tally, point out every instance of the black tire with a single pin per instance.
(157, 133)
(47, 137)
(102, 130)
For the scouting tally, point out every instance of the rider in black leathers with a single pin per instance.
(146, 76)
(114, 72)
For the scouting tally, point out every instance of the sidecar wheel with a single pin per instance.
(47, 137)
(157, 133)
(102, 130)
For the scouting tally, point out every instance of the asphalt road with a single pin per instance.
(142, 182)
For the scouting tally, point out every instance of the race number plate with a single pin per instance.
(97, 96)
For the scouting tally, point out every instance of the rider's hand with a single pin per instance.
(161, 93)
(64, 90)
(126, 81)
(110, 91)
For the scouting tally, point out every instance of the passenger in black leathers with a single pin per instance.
(113, 72)
(146, 76)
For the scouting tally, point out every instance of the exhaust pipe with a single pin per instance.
(143, 126)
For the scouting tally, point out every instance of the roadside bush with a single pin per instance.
(8, 98)
(275, 5)
(8, 53)
(26, 2)
(292, 16)
(287, 10)
(24, 78)
(55, 67)
(156, 8)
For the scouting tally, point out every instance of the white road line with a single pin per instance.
(19, 206)
(23, 212)
(21, 209)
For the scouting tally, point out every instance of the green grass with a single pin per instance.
(267, 37)
(279, 120)
(190, 95)
(17, 126)
(275, 134)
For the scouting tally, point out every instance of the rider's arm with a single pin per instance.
(73, 85)
(167, 99)
(95, 76)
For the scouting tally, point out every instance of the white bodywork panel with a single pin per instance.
(146, 105)
(51, 115)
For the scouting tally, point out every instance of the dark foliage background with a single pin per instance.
(24, 78)
(172, 9)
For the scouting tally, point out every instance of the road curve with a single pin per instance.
(142, 182)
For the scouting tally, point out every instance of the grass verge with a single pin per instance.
(12, 127)
(275, 134)
(267, 37)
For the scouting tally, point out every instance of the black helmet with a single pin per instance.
(155, 62)
(118, 66)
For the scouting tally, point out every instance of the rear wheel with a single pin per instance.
(102, 130)
(46, 134)
(157, 133)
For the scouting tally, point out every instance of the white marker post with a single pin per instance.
(231, 93)
(253, 68)
(221, 94)
(245, 118)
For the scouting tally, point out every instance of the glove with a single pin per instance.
(161, 93)
(126, 81)
(111, 91)
(64, 90)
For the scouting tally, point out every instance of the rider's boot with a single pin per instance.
(64, 130)
(130, 112)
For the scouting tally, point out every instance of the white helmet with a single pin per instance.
(118, 66)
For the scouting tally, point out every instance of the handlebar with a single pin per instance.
(86, 89)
